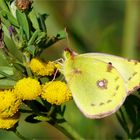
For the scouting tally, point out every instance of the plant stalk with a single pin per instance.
(20, 136)
(130, 28)
(26, 63)
(67, 130)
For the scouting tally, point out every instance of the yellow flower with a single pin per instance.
(58, 66)
(56, 92)
(41, 68)
(9, 103)
(7, 123)
(27, 89)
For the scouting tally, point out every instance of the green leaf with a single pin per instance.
(23, 22)
(34, 20)
(6, 83)
(5, 29)
(19, 67)
(42, 118)
(42, 36)
(33, 38)
(130, 107)
(4, 21)
(12, 48)
(41, 19)
(6, 70)
(17, 75)
(61, 35)
(122, 124)
(63, 108)
(31, 49)
(25, 111)
(36, 106)
(31, 119)
(3, 59)
(44, 80)
(8, 16)
(3, 5)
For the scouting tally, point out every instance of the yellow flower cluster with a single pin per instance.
(9, 105)
(27, 89)
(56, 92)
(43, 69)
(7, 123)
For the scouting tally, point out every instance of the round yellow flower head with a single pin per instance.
(7, 123)
(9, 103)
(27, 89)
(56, 92)
(41, 68)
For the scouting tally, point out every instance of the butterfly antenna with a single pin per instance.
(67, 38)
(68, 42)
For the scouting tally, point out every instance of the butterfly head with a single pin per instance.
(69, 54)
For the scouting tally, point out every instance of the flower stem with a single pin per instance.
(67, 130)
(51, 111)
(26, 63)
(20, 136)
(63, 126)
(130, 28)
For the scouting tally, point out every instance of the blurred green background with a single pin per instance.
(108, 26)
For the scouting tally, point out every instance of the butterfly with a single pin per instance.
(100, 82)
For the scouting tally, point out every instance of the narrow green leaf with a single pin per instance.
(19, 67)
(34, 20)
(5, 29)
(63, 110)
(3, 5)
(33, 38)
(12, 48)
(31, 119)
(130, 109)
(23, 22)
(42, 36)
(8, 16)
(31, 49)
(36, 106)
(4, 21)
(44, 80)
(6, 70)
(42, 18)
(137, 135)
(6, 83)
(3, 59)
(25, 111)
(122, 124)
(17, 75)
(61, 35)
(42, 118)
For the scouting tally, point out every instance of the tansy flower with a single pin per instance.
(56, 92)
(9, 103)
(43, 69)
(7, 123)
(27, 89)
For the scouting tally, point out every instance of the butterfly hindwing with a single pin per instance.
(98, 88)
(129, 69)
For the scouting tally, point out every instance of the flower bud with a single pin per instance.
(23, 4)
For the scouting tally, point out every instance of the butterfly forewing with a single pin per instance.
(98, 88)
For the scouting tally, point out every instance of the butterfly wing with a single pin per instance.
(129, 69)
(97, 89)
